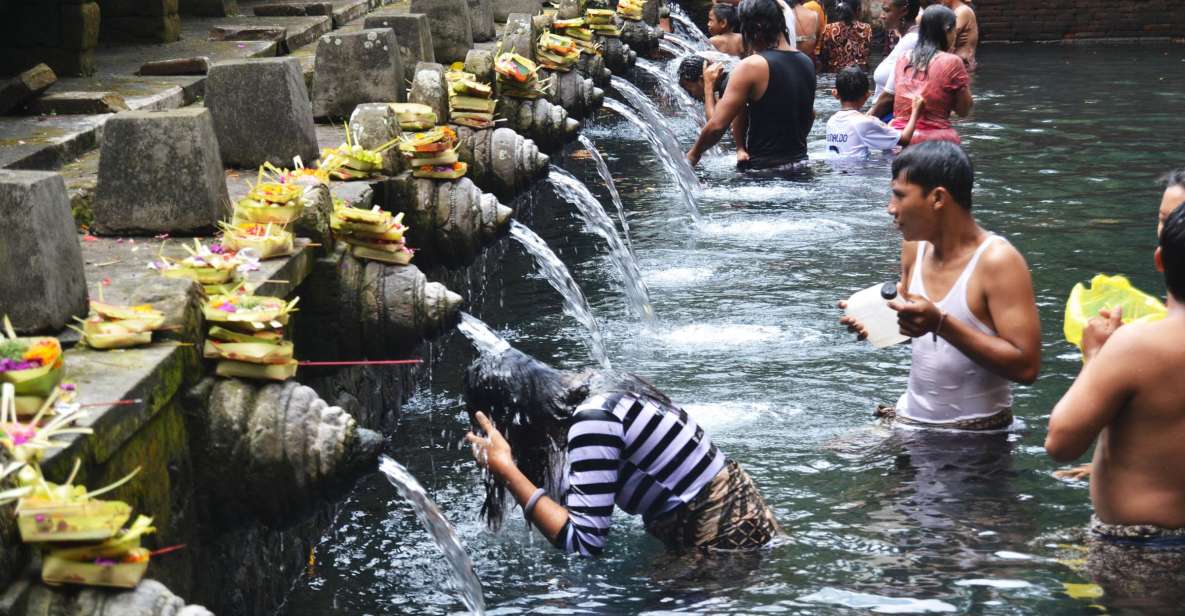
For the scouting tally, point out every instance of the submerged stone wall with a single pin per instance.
(1023, 20)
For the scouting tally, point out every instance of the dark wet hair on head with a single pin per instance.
(845, 12)
(912, 7)
(931, 164)
(761, 23)
(530, 403)
(727, 13)
(851, 83)
(937, 21)
(1176, 177)
(1172, 252)
(691, 67)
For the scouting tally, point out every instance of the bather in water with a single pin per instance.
(599, 439)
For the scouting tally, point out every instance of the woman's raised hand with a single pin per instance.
(491, 451)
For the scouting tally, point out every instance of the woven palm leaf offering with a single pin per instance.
(630, 9)
(518, 77)
(601, 22)
(577, 29)
(26, 442)
(471, 102)
(119, 561)
(118, 327)
(432, 154)
(247, 336)
(210, 266)
(350, 161)
(372, 234)
(414, 116)
(557, 53)
(265, 240)
(274, 198)
(32, 365)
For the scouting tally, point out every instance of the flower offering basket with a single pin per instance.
(40, 519)
(58, 570)
(34, 367)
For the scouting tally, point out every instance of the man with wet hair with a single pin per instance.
(725, 29)
(1129, 401)
(776, 85)
(983, 334)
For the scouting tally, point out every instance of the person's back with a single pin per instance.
(1129, 483)
(929, 71)
(966, 33)
(781, 119)
(723, 26)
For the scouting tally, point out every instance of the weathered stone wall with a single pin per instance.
(1024, 20)
(60, 33)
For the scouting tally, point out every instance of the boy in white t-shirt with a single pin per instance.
(853, 134)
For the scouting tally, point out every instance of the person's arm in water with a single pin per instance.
(493, 452)
(1015, 351)
(919, 103)
(882, 106)
(740, 84)
(1104, 387)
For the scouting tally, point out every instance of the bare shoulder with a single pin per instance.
(1002, 259)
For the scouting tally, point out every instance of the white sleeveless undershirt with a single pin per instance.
(944, 384)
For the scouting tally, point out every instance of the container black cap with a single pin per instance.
(889, 290)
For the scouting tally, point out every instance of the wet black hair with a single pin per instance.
(727, 13)
(530, 403)
(912, 7)
(691, 67)
(937, 21)
(1172, 252)
(845, 12)
(931, 164)
(851, 83)
(761, 23)
(1176, 177)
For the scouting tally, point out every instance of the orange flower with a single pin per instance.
(45, 351)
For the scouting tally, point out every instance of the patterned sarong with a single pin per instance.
(1137, 561)
(888, 416)
(728, 514)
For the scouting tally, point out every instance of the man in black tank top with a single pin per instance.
(770, 95)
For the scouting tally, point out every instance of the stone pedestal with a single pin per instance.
(520, 35)
(452, 30)
(354, 68)
(481, 20)
(431, 88)
(412, 35)
(372, 125)
(42, 284)
(160, 172)
(261, 112)
(480, 62)
(503, 8)
(570, 9)
(18, 90)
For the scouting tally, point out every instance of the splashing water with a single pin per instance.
(610, 185)
(673, 161)
(557, 275)
(673, 49)
(680, 43)
(645, 107)
(690, 31)
(462, 577)
(482, 337)
(593, 214)
(669, 87)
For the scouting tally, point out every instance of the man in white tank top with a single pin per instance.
(966, 299)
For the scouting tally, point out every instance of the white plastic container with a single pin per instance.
(870, 307)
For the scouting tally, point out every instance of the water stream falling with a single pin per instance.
(644, 106)
(673, 49)
(593, 214)
(557, 275)
(668, 86)
(668, 153)
(482, 337)
(462, 577)
(688, 28)
(680, 43)
(610, 185)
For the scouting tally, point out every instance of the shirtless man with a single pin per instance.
(984, 332)
(725, 28)
(966, 32)
(1129, 397)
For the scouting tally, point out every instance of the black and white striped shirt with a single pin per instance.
(634, 452)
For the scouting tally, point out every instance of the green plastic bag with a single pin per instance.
(1108, 292)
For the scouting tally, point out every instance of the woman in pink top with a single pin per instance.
(932, 73)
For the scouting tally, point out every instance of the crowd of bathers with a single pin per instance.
(965, 302)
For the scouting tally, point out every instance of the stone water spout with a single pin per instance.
(387, 310)
(595, 67)
(546, 124)
(273, 449)
(500, 160)
(619, 56)
(148, 598)
(451, 221)
(573, 92)
(639, 35)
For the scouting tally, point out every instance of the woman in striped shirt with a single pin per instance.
(617, 441)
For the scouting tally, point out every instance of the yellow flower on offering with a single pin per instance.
(46, 351)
